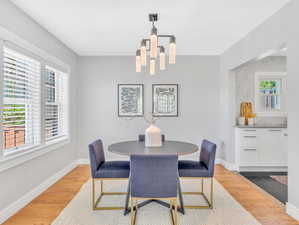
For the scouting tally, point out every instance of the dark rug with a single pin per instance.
(270, 185)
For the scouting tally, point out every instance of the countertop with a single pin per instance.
(263, 126)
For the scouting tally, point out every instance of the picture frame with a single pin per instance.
(130, 100)
(165, 100)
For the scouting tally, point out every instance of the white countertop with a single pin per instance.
(263, 126)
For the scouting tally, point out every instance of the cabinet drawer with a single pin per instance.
(248, 140)
(248, 155)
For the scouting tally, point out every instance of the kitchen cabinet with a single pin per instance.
(261, 149)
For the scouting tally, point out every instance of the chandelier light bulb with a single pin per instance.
(162, 58)
(143, 52)
(154, 42)
(172, 50)
(138, 61)
(152, 66)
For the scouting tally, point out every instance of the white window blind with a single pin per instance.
(56, 86)
(21, 101)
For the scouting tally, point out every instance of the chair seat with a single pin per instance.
(188, 168)
(113, 169)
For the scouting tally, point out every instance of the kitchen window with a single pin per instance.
(270, 91)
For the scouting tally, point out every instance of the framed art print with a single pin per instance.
(165, 100)
(130, 100)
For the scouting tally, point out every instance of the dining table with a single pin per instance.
(128, 148)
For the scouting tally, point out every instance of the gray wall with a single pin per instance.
(17, 181)
(245, 83)
(198, 79)
(279, 29)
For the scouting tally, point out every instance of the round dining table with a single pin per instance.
(138, 147)
(168, 147)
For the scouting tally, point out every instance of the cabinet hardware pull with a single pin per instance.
(249, 136)
(250, 130)
(250, 149)
(275, 130)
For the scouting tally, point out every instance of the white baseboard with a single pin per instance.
(292, 210)
(27, 198)
(227, 165)
(83, 161)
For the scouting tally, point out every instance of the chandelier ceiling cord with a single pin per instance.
(152, 46)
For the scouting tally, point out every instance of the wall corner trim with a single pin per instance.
(292, 210)
(14, 207)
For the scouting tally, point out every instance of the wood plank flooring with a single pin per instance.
(46, 207)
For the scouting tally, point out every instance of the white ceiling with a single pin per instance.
(115, 27)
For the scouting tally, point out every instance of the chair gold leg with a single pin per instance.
(102, 186)
(95, 201)
(171, 212)
(211, 194)
(132, 211)
(174, 211)
(93, 194)
(134, 205)
(208, 201)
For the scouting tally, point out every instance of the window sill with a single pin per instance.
(15, 159)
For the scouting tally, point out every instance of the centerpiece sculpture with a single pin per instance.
(153, 137)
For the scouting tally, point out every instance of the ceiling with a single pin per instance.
(115, 27)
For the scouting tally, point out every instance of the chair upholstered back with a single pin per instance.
(154, 176)
(207, 155)
(96, 155)
(141, 137)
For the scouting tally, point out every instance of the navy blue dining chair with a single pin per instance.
(202, 169)
(105, 170)
(154, 177)
(141, 137)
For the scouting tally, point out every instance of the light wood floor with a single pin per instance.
(45, 208)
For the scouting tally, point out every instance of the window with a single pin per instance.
(270, 93)
(33, 101)
(21, 101)
(55, 103)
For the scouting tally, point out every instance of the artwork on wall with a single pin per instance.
(165, 99)
(130, 100)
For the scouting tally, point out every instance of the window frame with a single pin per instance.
(28, 152)
(276, 76)
(16, 49)
(58, 103)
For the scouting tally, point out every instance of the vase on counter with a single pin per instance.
(153, 137)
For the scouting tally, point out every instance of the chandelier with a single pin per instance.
(152, 47)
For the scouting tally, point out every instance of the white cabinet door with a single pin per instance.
(248, 155)
(272, 146)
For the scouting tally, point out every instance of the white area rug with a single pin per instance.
(226, 210)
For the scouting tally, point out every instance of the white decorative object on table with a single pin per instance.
(153, 137)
